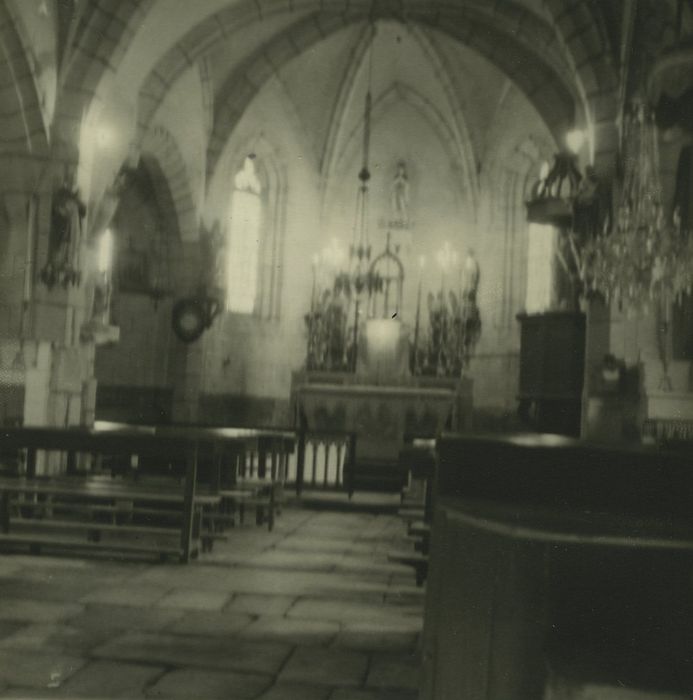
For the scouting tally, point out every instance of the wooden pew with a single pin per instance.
(417, 460)
(18, 496)
(556, 564)
(253, 476)
(249, 470)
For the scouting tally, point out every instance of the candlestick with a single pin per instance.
(422, 262)
(313, 290)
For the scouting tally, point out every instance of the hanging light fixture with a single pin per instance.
(554, 194)
(645, 257)
(335, 314)
(360, 272)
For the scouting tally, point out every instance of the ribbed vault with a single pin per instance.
(22, 128)
(515, 39)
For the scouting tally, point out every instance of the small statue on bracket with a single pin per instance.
(65, 239)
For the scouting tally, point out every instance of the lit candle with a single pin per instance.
(422, 263)
(314, 266)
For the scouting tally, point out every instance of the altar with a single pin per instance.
(382, 403)
(383, 417)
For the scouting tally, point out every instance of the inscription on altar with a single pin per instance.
(395, 225)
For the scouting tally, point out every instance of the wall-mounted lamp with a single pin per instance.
(575, 139)
(555, 191)
(105, 252)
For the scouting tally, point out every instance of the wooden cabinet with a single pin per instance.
(552, 358)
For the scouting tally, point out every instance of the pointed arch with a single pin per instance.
(457, 134)
(22, 127)
(160, 150)
(445, 132)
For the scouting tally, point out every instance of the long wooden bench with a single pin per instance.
(49, 512)
(556, 563)
(249, 471)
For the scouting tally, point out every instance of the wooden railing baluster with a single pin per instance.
(338, 475)
(328, 445)
(315, 464)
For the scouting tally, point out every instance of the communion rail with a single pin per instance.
(324, 460)
(303, 458)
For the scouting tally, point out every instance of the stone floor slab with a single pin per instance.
(46, 589)
(134, 595)
(302, 632)
(296, 561)
(54, 637)
(197, 577)
(49, 562)
(8, 566)
(9, 627)
(37, 610)
(196, 650)
(190, 599)
(211, 685)
(352, 611)
(37, 670)
(394, 671)
(106, 679)
(335, 667)
(376, 640)
(214, 623)
(354, 694)
(310, 545)
(267, 606)
(115, 618)
(262, 604)
(294, 691)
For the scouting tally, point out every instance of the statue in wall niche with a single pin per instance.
(63, 265)
(399, 196)
(246, 179)
(212, 244)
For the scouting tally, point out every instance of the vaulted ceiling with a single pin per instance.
(572, 60)
(558, 52)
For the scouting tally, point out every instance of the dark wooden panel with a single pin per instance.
(558, 562)
(552, 355)
(134, 404)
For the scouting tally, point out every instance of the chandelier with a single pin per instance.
(645, 258)
(334, 317)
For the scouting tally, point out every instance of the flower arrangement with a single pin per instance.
(454, 327)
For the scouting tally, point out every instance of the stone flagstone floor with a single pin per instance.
(311, 611)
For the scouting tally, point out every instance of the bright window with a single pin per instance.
(540, 268)
(245, 232)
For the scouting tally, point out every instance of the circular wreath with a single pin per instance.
(189, 319)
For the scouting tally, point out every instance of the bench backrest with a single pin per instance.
(549, 471)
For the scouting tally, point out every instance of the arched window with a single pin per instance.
(244, 240)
